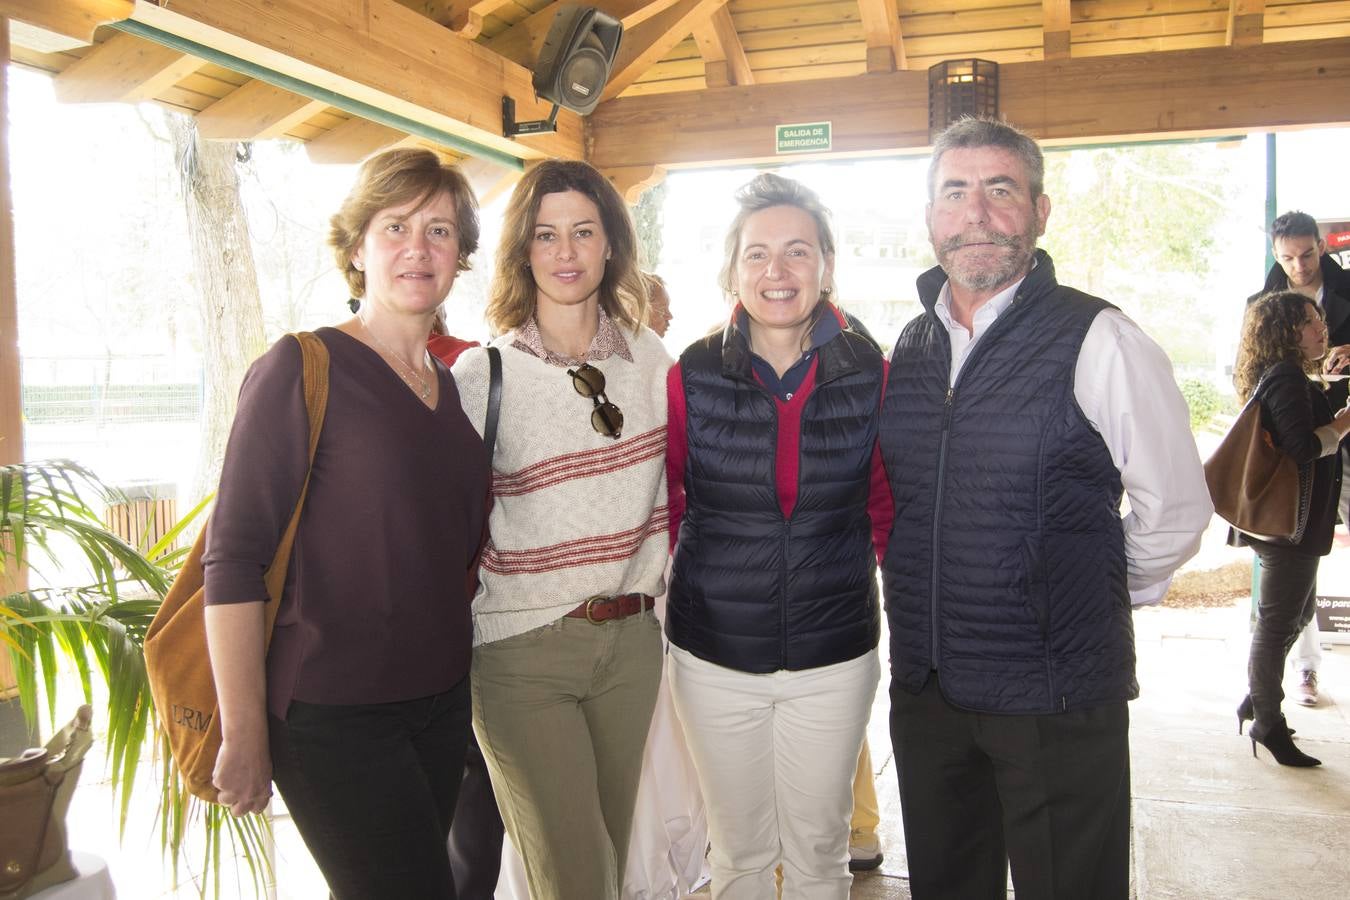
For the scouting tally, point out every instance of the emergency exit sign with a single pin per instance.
(804, 137)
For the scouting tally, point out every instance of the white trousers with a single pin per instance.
(1307, 653)
(775, 756)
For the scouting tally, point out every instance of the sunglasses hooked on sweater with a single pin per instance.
(606, 418)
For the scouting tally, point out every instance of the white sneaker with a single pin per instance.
(864, 851)
(1307, 689)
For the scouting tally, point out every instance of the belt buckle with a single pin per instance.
(590, 603)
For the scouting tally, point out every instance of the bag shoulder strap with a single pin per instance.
(314, 374)
(494, 400)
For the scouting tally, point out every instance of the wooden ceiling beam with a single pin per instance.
(464, 17)
(73, 18)
(521, 42)
(644, 45)
(1210, 91)
(124, 68)
(257, 111)
(1056, 22)
(724, 59)
(354, 140)
(881, 26)
(633, 181)
(1246, 22)
(379, 53)
(489, 180)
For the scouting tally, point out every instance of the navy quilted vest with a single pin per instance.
(750, 590)
(1023, 608)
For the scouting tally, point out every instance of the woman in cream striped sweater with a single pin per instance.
(567, 652)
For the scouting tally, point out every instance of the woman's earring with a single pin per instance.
(357, 266)
(826, 292)
(353, 304)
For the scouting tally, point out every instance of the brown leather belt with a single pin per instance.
(602, 609)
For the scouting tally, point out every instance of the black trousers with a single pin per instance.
(477, 832)
(1288, 602)
(372, 790)
(1049, 795)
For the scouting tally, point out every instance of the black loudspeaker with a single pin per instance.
(576, 58)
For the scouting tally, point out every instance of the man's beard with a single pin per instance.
(977, 272)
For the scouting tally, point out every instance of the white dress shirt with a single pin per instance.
(1123, 384)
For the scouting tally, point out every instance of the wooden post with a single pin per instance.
(11, 400)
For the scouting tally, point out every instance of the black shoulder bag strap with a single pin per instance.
(494, 400)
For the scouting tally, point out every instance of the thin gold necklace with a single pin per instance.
(422, 387)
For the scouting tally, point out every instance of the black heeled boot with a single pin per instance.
(1245, 714)
(1278, 741)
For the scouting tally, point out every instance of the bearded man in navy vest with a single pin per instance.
(1017, 413)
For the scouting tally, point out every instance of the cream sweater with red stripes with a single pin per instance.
(576, 514)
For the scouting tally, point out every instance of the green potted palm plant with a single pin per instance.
(94, 617)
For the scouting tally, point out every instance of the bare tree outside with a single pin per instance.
(226, 281)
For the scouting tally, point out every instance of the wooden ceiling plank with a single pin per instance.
(643, 88)
(1102, 10)
(817, 14)
(353, 141)
(806, 36)
(379, 53)
(885, 44)
(719, 43)
(1206, 23)
(1055, 24)
(255, 112)
(975, 21)
(521, 43)
(73, 18)
(1330, 13)
(1307, 33)
(124, 68)
(1182, 93)
(1246, 23)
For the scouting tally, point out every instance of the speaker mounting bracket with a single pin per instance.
(511, 128)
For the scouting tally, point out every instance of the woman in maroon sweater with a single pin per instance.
(360, 709)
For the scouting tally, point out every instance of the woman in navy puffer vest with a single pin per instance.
(779, 507)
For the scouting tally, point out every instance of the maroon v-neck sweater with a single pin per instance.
(375, 608)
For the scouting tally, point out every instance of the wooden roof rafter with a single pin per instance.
(255, 112)
(885, 44)
(1246, 23)
(723, 56)
(652, 39)
(1056, 28)
(125, 69)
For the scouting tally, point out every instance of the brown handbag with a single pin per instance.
(1257, 487)
(35, 792)
(176, 660)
